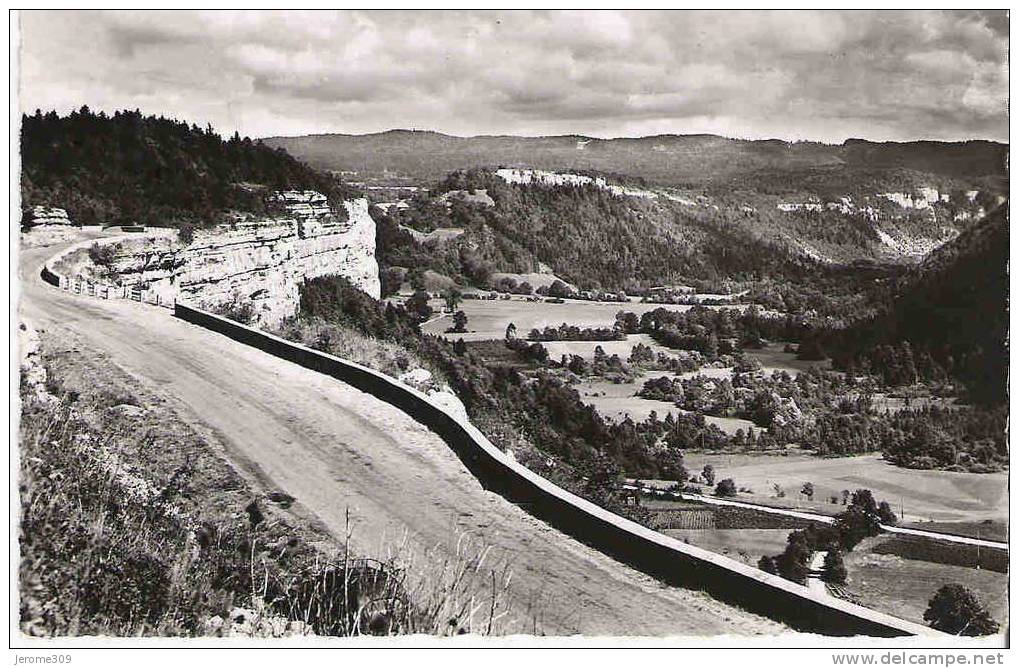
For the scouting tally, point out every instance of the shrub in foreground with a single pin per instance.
(955, 609)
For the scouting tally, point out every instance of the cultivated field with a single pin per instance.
(746, 545)
(903, 587)
(987, 530)
(923, 495)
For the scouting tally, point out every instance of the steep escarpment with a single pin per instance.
(256, 266)
(949, 317)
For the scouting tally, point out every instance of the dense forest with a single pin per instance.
(129, 168)
(831, 261)
(948, 318)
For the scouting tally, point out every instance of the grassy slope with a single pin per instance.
(923, 495)
(133, 524)
(155, 521)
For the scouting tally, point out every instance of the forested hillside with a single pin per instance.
(583, 234)
(950, 317)
(130, 168)
(800, 250)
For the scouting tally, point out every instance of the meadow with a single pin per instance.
(987, 530)
(774, 358)
(903, 587)
(556, 349)
(617, 401)
(746, 545)
(943, 496)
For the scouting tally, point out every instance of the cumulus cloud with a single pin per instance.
(797, 75)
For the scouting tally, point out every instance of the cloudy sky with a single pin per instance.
(793, 75)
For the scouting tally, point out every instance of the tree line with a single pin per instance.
(129, 168)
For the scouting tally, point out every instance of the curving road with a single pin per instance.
(335, 448)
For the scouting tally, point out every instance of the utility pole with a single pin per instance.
(978, 547)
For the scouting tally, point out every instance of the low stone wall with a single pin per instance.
(99, 289)
(666, 558)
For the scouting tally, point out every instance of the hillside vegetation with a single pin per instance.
(132, 524)
(129, 168)
(585, 235)
(949, 317)
(822, 257)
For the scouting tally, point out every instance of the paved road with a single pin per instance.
(828, 519)
(335, 448)
(952, 538)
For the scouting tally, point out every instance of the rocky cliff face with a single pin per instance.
(48, 215)
(261, 264)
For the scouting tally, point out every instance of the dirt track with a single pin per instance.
(335, 448)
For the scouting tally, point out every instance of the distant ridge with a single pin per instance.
(668, 159)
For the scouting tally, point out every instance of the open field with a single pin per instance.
(617, 401)
(903, 587)
(923, 495)
(735, 543)
(585, 349)
(922, 548)
(987, 530)
(536, 280)
(773, 358)
(488, 319)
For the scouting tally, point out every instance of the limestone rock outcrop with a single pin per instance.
(303, 203)
(49, 215)
(259, 266)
